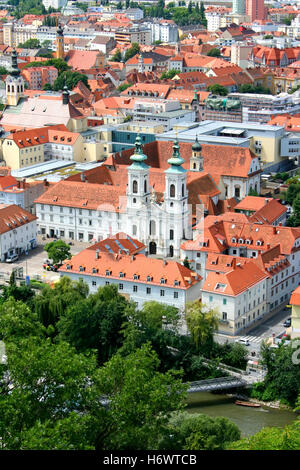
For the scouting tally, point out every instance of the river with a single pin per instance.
(249, 420)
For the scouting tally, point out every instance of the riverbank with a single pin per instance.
(248, 419)
(270, 404)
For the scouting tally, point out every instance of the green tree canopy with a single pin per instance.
(30, 44)
(217, 89)
(214, 52)
(58, 251)
(70, 79)
(201, 322)
(132, 51)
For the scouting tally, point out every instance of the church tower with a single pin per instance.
(141, 66)
(59, 42)
(14, 83)
(196, 161)
(176, 203)
(138, 191)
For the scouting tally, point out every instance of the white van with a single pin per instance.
(243, 341)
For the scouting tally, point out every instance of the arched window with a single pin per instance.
(12, 89)
(8, 88)
(18, 89)
(145, 186)
(152, 228)
(172, 190)
(134, 186)
(194, 166)
(182, 190)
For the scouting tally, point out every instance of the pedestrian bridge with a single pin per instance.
(220, 383)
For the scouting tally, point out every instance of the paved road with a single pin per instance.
(33, 263)
(260, 332)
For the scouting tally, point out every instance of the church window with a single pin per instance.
(145, 186)
(172, 190)
(182, 190)
(134, 186)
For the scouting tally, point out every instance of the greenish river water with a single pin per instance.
(249, 420)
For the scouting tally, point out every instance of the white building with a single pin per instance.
(84, 211)
(239, 296)
(163, 30)
(17, 231)
(54, 3)
(138, 278)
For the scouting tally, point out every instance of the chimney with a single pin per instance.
(266, 201)
(165, 262)
(97, 253)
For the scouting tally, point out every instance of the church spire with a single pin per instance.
(14, 64)
(176, 161)
(138, 156)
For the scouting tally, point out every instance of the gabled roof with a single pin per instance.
(13, 216)
(138, 265)
(121, 243)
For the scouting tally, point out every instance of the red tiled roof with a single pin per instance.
(13, 216)
(121, 243)
(295, 297)
(139, 265)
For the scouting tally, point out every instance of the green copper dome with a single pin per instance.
(176, 159)
(197, 147)
(138, 156)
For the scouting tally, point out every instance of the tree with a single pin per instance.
(199, 432)
(214, 52)
(47, 87)
(218, 90)
(46, 382)
(96, 322)
(53, 302)
(252, 192)
(18, 321)
(3, 70)
(117, 57)
(141, 400)
(201, 322)
(132, 51)
(58, 251)
(190, 8)
(30, 44)
(124, 86)
(287, 438)
(70, 79)
(282, 380)
(186, 263)
(292, 192)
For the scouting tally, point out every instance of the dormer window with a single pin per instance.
(136, 277)
(233, 240)
(81, 268)
(163, 281)
(94, 270)
(107, 272)
(248, 241)
(259, 242)
(122, 274)
(241, 240)
(176, 283)
(68, 266)
(149, 278)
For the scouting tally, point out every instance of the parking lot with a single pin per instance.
(32, 263)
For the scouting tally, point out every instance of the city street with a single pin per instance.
(261, 332)
(32, 264)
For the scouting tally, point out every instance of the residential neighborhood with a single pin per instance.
(149, 224)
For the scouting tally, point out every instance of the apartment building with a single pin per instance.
(17, 231)
(139, 278)
(37, 77)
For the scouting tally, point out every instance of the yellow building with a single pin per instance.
(295, 303)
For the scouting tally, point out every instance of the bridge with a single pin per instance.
(221, 383)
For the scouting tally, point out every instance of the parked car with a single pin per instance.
(243, 341)
(12, 258)
(287, 322)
